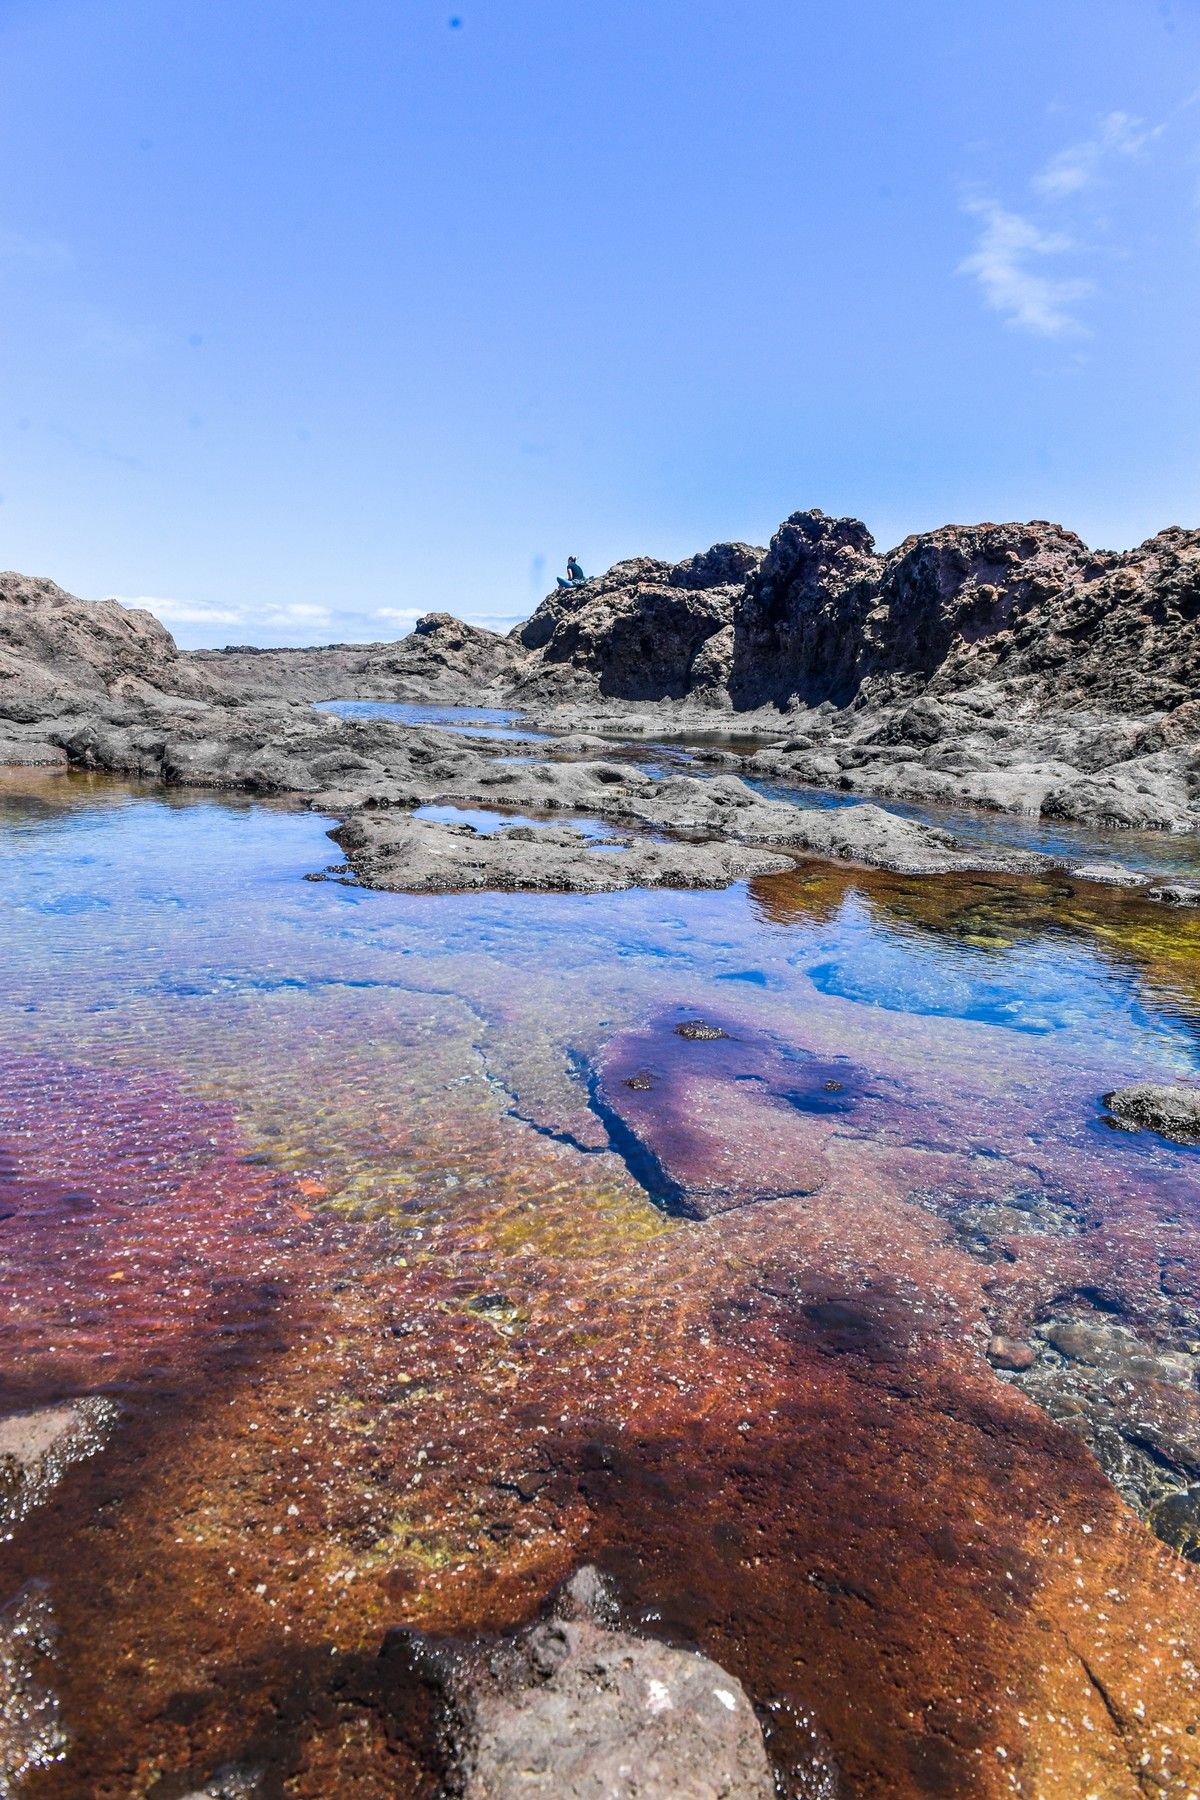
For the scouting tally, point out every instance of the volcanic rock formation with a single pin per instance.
(1005, 666)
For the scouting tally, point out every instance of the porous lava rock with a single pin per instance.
(640, 631)
(1005, 666)
(1172, 1111)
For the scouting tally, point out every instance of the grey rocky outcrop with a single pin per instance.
(56, 650)
(576, 1709)
(441, 658)
(675, 832)
(424, 856)
(1004, 666)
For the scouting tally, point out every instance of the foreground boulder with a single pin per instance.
(575, 1709)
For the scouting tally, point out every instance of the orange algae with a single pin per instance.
(776, 1428)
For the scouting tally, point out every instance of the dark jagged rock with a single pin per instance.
(1174, 1112)
(640, 631)
(1005, 666)
(799, 625)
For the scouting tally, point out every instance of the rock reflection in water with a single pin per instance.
(310, 1183)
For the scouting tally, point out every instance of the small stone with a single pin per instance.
(37, 1449)
(571, 1707)
(1174, 893)
(1109, 874)
(697, 1031)
(1010, 1353)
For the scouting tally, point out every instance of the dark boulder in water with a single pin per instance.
(1172, 1111)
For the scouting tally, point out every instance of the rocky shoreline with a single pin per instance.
(1004, 667)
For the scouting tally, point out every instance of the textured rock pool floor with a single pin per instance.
(424, 1258)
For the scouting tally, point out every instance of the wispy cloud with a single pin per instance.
(292, 622)
(1078, 166)
(203, 612)
(1019, 261)
(17, 251)
(181, 612)
(1005, 264)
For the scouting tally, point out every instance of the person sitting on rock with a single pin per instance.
(575, 576)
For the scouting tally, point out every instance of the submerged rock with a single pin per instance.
(1176, 1520)
(233, 1781)
(576, 1709)
(1175, 893)
(1174, 1112)
(37, 1449)
(696, 1031)
(1011, 1353)
(31, 1731)
(1116, 1349)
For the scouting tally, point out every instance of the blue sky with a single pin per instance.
(313, 318)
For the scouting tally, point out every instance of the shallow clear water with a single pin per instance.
(329, 1189)
(465, 721)
(486, 822)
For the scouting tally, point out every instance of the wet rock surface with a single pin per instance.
(714, 1117)
(1172, 1111)
(418, 857)
(576, 1709)
(37, 1449)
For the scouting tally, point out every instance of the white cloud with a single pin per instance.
(1003, 263)
(20, 252)
(294, 622)
(181, 612)
(203, 612)
(297, 611)
(1077, 167)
